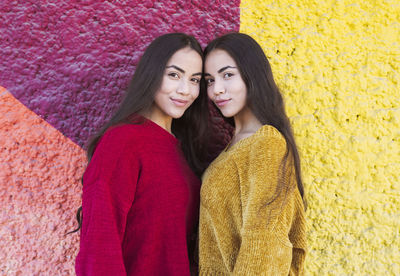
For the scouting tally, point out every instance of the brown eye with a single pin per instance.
(173, 75)
(228, 75)
(195, 80)
(209, 81)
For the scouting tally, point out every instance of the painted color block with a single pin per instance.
(337, 64)
(40, 190)
(70, 61)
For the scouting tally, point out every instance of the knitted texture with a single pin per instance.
(140, 205)
(247, 225)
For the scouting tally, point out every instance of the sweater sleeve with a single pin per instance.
(109, 185)
(267, 217)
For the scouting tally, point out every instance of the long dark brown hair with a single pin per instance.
(190, 129)
(263, 96)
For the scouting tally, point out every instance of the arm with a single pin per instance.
(109, 185)
(265, 245)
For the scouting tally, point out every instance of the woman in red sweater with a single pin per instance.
(141, 189)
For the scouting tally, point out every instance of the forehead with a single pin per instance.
(217, 59)
(186, 58)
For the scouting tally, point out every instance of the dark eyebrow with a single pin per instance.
(220, 70)
(177, 68)
(197, 74)
(224, 68)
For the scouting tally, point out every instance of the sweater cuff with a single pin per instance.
(263, 254)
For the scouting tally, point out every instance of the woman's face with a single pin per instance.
(225, 86)
(180, 84)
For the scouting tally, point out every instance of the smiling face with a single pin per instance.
(225, 86)
(180, 85)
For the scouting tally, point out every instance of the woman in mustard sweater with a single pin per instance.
(252, 219)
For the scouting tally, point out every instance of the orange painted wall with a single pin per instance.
(40, 171)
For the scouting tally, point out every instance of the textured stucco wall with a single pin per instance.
(338, 63)
(39, 174)
(69, 61)
(66, 65)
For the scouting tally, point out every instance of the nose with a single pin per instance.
(183, 88)
(218, 88)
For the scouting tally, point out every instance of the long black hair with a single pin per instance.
(190, 129)
(263, 96)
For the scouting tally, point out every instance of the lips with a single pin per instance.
(222, 102)
(179, 102)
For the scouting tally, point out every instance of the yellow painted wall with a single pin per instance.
(337, 64)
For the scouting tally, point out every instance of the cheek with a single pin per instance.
(241, 96)
(210, 92)
(195, 92)
(159, 99)
(166, 86)
(239, 89)
(243, 100)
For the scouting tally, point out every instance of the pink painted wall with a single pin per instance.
(65, 65)
(70, 61)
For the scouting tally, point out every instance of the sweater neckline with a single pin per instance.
(264, 129)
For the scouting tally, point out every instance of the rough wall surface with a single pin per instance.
(66, 65)
(39, 174)
(70, 61)
(338, 64)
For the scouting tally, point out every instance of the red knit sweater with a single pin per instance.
(140, 205)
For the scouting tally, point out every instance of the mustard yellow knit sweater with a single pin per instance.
(240, 233)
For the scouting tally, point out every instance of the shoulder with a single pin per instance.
(120, 131)
(268, 131)
(119, 139)
(134, 133)
(123, 133)
(145, 137)
(266, 139)
(116, 149)
(268, 134)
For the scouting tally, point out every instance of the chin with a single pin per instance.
(176, 115)
(227, 113)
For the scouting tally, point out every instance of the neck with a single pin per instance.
(160, 118)
(246, 121)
